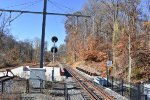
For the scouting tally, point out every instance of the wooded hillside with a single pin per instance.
(117, 30)
(13, 52)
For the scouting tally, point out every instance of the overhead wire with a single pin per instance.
(22, 4)
(33, 3)
(29, 4)
(52, 3)
(60, 6)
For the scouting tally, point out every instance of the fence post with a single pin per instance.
(145, 97)
(2, 87)
(27, 86)
(122, 87)
(66, 93)
(112, 83)
(41, 85)
(64, 89)
(138, 91)
(130, 90)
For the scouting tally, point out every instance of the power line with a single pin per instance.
(26, 3)
(29, 4)
(64, 6)
(33, 3)
(58, 4)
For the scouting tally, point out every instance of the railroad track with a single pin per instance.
(95, 93)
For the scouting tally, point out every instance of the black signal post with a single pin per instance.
(54, 39)
(54, 50)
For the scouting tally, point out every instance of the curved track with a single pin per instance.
(95, 93)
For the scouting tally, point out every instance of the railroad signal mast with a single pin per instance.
(54, 50)
(44, 13)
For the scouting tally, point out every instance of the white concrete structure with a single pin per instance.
(57, 76)
(18, 72)
(26, 74)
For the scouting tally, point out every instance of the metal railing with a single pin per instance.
(129, 90)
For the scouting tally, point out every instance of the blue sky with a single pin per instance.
(29, 26)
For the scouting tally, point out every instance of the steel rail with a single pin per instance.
(85, 84)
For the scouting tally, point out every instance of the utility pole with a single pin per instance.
(75, 55)
(93, 23)
(129, 73)
(43, 33)
(85, 33)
